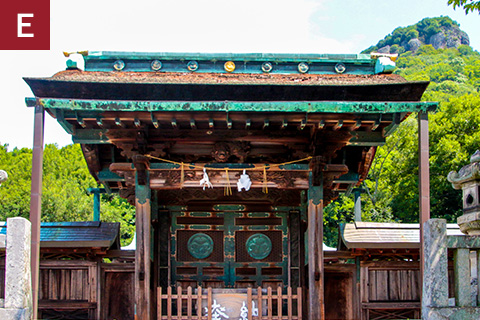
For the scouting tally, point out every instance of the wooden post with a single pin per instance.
(423, 180)
(36, 201)
(315, 253)
(142, 252)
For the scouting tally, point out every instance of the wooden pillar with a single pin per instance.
(36, 201)
(316, 302)
(423, 180)
(143, 250)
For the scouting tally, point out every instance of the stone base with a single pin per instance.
(469, 223)
(15, 314)
(451, 313)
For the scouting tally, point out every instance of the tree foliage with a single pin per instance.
(65, 183)
(454, 135)
(392, 183)
(467, 5)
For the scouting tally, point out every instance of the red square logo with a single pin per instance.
(25, 25)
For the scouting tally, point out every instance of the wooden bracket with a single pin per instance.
(141, 164)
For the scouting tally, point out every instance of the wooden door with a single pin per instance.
(118, 294)
(229, 249)
(339, 304)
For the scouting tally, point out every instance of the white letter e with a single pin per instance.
(21, 24)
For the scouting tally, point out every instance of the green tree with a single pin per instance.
(65, 182)
(467, 5)
(392, 178)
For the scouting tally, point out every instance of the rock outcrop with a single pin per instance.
(441, 33)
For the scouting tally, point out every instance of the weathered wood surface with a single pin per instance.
(142, 260)
(388, 290)
(339, 295)
(36, 201)
(423, 183)
(392, 285)
(62, 280)
(66, 304)
(118, 294)
(316, 310)
(101, 290)
(70, 286)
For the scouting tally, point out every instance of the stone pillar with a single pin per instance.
(435, 281)
(358, 204)
(461, 267)
(18, 285)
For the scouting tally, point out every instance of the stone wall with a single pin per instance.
(435, 301)
(18, 287)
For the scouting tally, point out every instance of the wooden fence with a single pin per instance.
(189, 305)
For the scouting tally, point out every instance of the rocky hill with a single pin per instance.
(441, 32)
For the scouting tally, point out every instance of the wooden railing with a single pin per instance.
(201, 305)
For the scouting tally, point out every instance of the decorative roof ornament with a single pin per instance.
(119, 65)
(229, 66)
(156, 65)
(251, 63)
(385, 62)
(468, 179)
(267, 67)
(3, 176)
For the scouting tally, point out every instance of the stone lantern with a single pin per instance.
(468, 179)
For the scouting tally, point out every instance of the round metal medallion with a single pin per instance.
(192, 66)
(267, 67)
(229, 66)
(156, 65)
(303, 67)
(119, 65)
(340, 68)
(259, 246)
(200, 245)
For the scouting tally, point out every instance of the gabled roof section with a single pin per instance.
(232, 77)
(92, 234)
(375, 235)
(258, 108)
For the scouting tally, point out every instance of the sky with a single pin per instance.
(267, 26)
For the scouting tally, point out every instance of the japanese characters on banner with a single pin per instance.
(25, 25)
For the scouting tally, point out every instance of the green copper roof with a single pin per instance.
(255, 63)
(235, 106)
(76, 234)
(275, 57)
